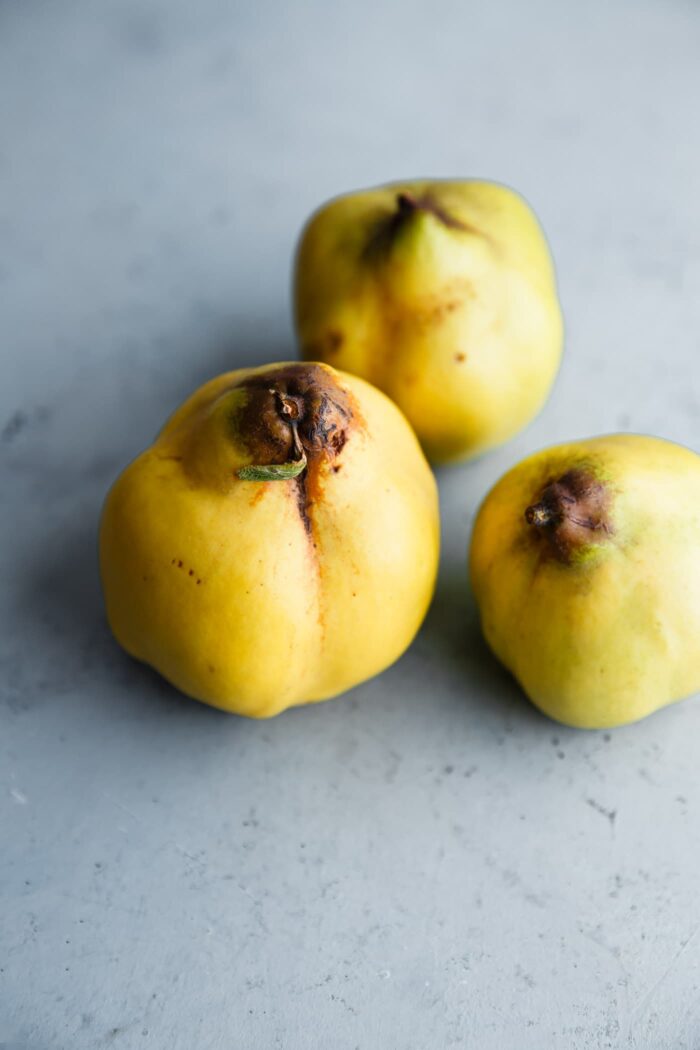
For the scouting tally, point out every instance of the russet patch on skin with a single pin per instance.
(572, 513)
(296, 416)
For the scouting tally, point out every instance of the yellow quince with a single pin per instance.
(278, 543)
(585, 563)
(443, 295)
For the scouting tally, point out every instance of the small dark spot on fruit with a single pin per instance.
(198, 582)
(179, 565)
(191, 573)
(337, 441)
(336, 468)
(460, 358)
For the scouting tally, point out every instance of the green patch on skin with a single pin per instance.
(587, 556)
(273, 471)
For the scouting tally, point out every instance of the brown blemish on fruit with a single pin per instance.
(301, 495)
(326, 346)
(433, 313)
(572, 513)
(334, 341)
(180, 565)
(258, 494)
(294, 411)
(425, 312)
(408, 204)
(459, 358)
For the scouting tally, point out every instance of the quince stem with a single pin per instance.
(539, 515)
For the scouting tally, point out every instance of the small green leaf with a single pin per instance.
(273, 471)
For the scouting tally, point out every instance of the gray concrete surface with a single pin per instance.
(427, 862)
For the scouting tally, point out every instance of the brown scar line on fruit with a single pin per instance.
(258, 494)
(295, 418)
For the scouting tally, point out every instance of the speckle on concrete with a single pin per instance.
(427, 862)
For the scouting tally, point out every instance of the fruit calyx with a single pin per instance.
(408, 204)
(572, 513)
(293, 416)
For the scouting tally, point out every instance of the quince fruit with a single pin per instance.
(585, 563)
(277, 544)
(443, 295)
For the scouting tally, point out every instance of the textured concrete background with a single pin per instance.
(427, 862)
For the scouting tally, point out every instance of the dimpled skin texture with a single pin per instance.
(237, 595)
(615, 634)
(452, 309)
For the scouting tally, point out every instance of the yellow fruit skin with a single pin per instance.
(459, 324)
(219, 583)
(615, 635)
